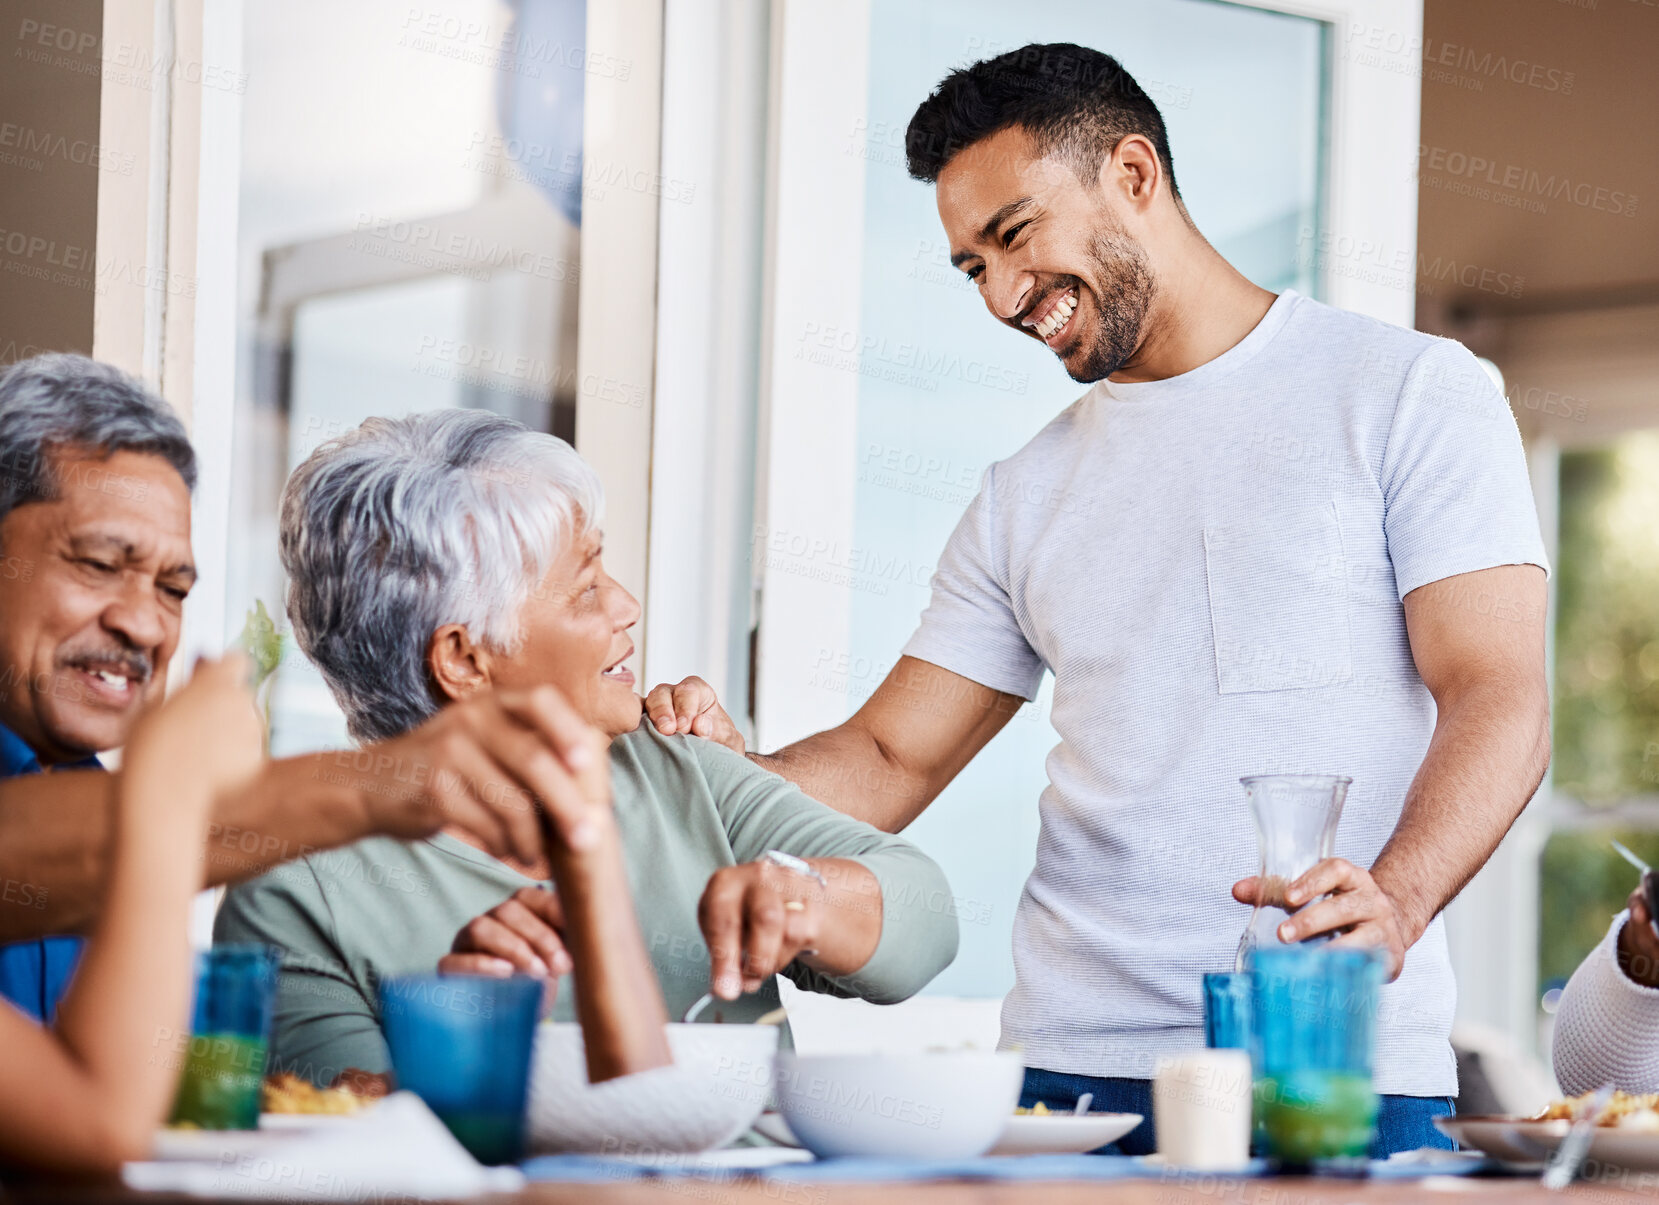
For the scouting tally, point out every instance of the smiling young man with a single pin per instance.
(1313, 549)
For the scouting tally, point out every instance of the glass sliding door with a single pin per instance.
(892, 389)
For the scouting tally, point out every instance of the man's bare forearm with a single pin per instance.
(55, 833)
(906, 744)
(296, 806)
(1488, 755)
(847, 768)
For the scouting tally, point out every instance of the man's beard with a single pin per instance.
(1124, 292)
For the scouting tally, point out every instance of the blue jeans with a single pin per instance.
(1404, 1123)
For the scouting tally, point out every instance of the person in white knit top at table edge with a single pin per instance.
(1607, 1024)
(1272, 536)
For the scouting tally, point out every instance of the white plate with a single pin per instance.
(304, 1121)
(1062, 1134)
(1507, 1138)
(1516, 1140)
(214, 1146)
(772, 1125)
(1025, 1134)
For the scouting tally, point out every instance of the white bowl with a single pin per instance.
(719, 1082)
(951, 1105)
(1063, 1133)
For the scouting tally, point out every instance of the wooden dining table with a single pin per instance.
(1183, 1190)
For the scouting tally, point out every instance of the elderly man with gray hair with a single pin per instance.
(96, 474)
(441, 556)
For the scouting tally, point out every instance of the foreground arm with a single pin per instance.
(888, 761)
(1478, 641)
(106, 1066)
(618, 1000)
(472, 765)
(1607, 1025)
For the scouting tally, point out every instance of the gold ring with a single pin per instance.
(793, 906)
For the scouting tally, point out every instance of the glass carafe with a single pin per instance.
(1296, 817)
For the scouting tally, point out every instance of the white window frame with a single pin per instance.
(165, 309)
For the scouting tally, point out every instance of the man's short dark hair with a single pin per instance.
(1074, 101)
(61, 401)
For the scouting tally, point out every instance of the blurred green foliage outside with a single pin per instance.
(1606, 687)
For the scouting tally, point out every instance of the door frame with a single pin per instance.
(1366, 258)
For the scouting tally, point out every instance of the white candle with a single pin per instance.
(1201, 1107)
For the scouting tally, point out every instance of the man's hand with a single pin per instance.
(1358, 912)
(524, 933)
(1638, 943)
(691, 707)
(487, 764)
(165, 753)
(757, 918)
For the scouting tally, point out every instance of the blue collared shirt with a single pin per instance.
(35, 974)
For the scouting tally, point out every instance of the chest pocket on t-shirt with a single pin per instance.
(1278, 600)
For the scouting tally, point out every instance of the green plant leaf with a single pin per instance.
(264, 644)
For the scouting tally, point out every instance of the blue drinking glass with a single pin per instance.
(1312, 1037)
(223, 1072)
(1227, 1010)
(462, 1043)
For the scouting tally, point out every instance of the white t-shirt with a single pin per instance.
(1212, 566)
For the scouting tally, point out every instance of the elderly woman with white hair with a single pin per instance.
(451, 553)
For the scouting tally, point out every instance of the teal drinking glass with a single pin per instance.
(1227, 1010)
(223, 1073)
(462, 1043)
(1313, 1033)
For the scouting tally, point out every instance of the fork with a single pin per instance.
(1569, 1156)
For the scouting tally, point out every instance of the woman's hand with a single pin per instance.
(524, 933)
(757, 918)
(206, 736)
(692, 708)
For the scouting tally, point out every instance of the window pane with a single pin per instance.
(1607, 627)
(1606, 703)
(1584, 884)
(410, 193)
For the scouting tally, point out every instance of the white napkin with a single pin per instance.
(396, 1149)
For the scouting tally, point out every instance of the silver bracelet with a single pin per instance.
(798, 866)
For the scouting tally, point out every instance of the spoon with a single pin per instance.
(1630, 857)
(1083, 1103)
(775, 1017)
